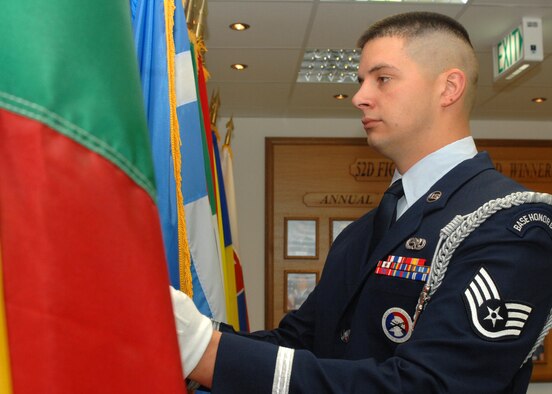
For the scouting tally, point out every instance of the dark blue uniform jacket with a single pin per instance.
(352, 334)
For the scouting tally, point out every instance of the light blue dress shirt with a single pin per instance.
(422, 175)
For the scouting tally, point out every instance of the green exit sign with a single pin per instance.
(518, 49)
(509, 50)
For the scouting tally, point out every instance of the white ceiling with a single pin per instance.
(281, 31)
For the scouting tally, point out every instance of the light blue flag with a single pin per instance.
(148, 20)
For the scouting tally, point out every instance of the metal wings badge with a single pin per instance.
(492, 318)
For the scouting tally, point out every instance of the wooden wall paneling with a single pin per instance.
(342, 178)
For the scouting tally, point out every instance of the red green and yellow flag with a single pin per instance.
(84, 299)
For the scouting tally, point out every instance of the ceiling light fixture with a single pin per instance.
(329, 66)
(238, 26)
(239, 66)
(539, 100)
(340, 96)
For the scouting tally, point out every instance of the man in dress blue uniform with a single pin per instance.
(355, 332)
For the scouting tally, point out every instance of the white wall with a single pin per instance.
(248, 146)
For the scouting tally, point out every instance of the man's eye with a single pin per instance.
(383, 79)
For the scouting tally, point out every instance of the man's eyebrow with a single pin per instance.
(380, 66)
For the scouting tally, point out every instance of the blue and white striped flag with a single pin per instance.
(154, 47)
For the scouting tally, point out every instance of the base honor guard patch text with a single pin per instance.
(529, 219)
(397, 325)
(403, 267)
(491, 318)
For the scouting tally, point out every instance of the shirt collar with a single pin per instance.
(426, 172)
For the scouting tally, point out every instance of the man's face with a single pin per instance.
(397, 98)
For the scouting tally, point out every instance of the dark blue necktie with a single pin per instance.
(386, 212)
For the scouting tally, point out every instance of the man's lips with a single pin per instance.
(368, 123)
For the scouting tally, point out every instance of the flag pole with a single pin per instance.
(229, 130)
(202, 14)
(189, 6)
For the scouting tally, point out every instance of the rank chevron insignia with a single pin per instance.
(491, 318)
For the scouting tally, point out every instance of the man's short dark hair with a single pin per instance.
(414, 24)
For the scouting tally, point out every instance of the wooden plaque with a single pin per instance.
(330, 181)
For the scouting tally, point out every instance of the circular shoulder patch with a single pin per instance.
(397, 325)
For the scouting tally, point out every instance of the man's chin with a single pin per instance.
(371, 139)
(378, 144)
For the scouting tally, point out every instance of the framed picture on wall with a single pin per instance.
(542, 362)
(301, 238)
(538, 356)
(337, 225)
(298, 285)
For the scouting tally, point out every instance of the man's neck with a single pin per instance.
(417, 152)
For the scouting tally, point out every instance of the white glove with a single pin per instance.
(193, 329)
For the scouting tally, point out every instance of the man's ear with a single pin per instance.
(454, 86)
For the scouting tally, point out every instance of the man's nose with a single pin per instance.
(362, 98)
